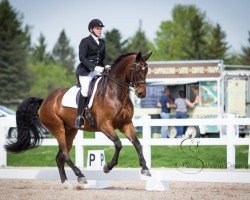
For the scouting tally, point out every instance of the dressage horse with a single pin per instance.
(111, 110)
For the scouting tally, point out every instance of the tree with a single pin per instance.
(217, 47)
(166, 43)
(233, 59)
(14, 42)
(63, 53)
(185, 36)
(114, 47)
(48, 77)
(245, 56)
(195, 48)
(39, 53)
(138, 42)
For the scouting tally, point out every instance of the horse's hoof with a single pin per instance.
(145, 172)
(105, 168)
(82, 180)
(66, 185)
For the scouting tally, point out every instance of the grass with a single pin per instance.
(162, 156)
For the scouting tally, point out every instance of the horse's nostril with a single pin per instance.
(140, 94)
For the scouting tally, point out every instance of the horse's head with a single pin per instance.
(131, 70)
(138, 72)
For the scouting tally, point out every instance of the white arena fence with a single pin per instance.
(231, 139)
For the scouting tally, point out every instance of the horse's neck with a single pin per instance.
(116, 90)
(119, 72)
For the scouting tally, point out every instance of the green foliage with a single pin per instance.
(46, 78)
(245, 56)
(139, 42)
(39, 53)
(189, 35)
(232, 59)
(196, 43)
(14, 43)
(63, 53)
(217, 46)
(114, 47)
(173, 34)
(48, 73)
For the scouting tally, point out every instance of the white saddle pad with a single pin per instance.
(69, 98)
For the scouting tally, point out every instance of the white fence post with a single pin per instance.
(248, 156)
(231, 134)
(3, 153)
(146, 137)
(79, 156)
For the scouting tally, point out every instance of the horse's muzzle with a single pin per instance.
(140, 94)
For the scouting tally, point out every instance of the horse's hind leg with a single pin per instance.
(60, 164)
(109, 131)
(59, 132)
(129, 132)
(76, 170)
(60, 158)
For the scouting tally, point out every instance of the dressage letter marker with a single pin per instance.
(96, 161)
(91, 158)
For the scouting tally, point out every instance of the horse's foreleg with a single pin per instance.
(109, 166)
(109, 131)
(129, 132)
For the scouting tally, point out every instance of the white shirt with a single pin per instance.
(181, 105)
(95, 38)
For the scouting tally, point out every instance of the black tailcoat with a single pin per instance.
(90, 55)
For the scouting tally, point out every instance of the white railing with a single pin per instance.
(231, 139)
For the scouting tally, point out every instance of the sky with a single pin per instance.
(51, 16)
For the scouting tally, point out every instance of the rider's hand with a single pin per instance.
(99, 69)
(107, 67)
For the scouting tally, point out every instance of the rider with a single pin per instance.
(92, 63)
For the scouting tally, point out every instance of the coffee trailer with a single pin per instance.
(223, 90)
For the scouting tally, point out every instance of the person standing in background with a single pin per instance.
(181, 110)
(165, 103)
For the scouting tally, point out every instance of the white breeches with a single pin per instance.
(85, 81)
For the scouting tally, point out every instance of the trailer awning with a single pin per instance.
(178, 81)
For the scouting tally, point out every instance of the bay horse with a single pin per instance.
(112, 110)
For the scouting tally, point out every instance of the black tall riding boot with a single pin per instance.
(81, 104)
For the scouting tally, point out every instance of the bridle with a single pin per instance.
(133, 82)
(133, 70)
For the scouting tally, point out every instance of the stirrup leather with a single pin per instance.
(79, 122)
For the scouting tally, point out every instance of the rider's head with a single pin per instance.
(95, 27)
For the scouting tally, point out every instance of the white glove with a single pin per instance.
(107, 67)
(98, 69)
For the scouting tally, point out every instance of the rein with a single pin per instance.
(132, 77)
(119, 82)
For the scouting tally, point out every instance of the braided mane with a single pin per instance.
(121, 57)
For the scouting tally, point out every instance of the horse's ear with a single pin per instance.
(138, 56)
(146, 57)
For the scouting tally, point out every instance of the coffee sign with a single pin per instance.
(183, 70)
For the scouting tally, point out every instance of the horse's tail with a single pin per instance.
(29, 127)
